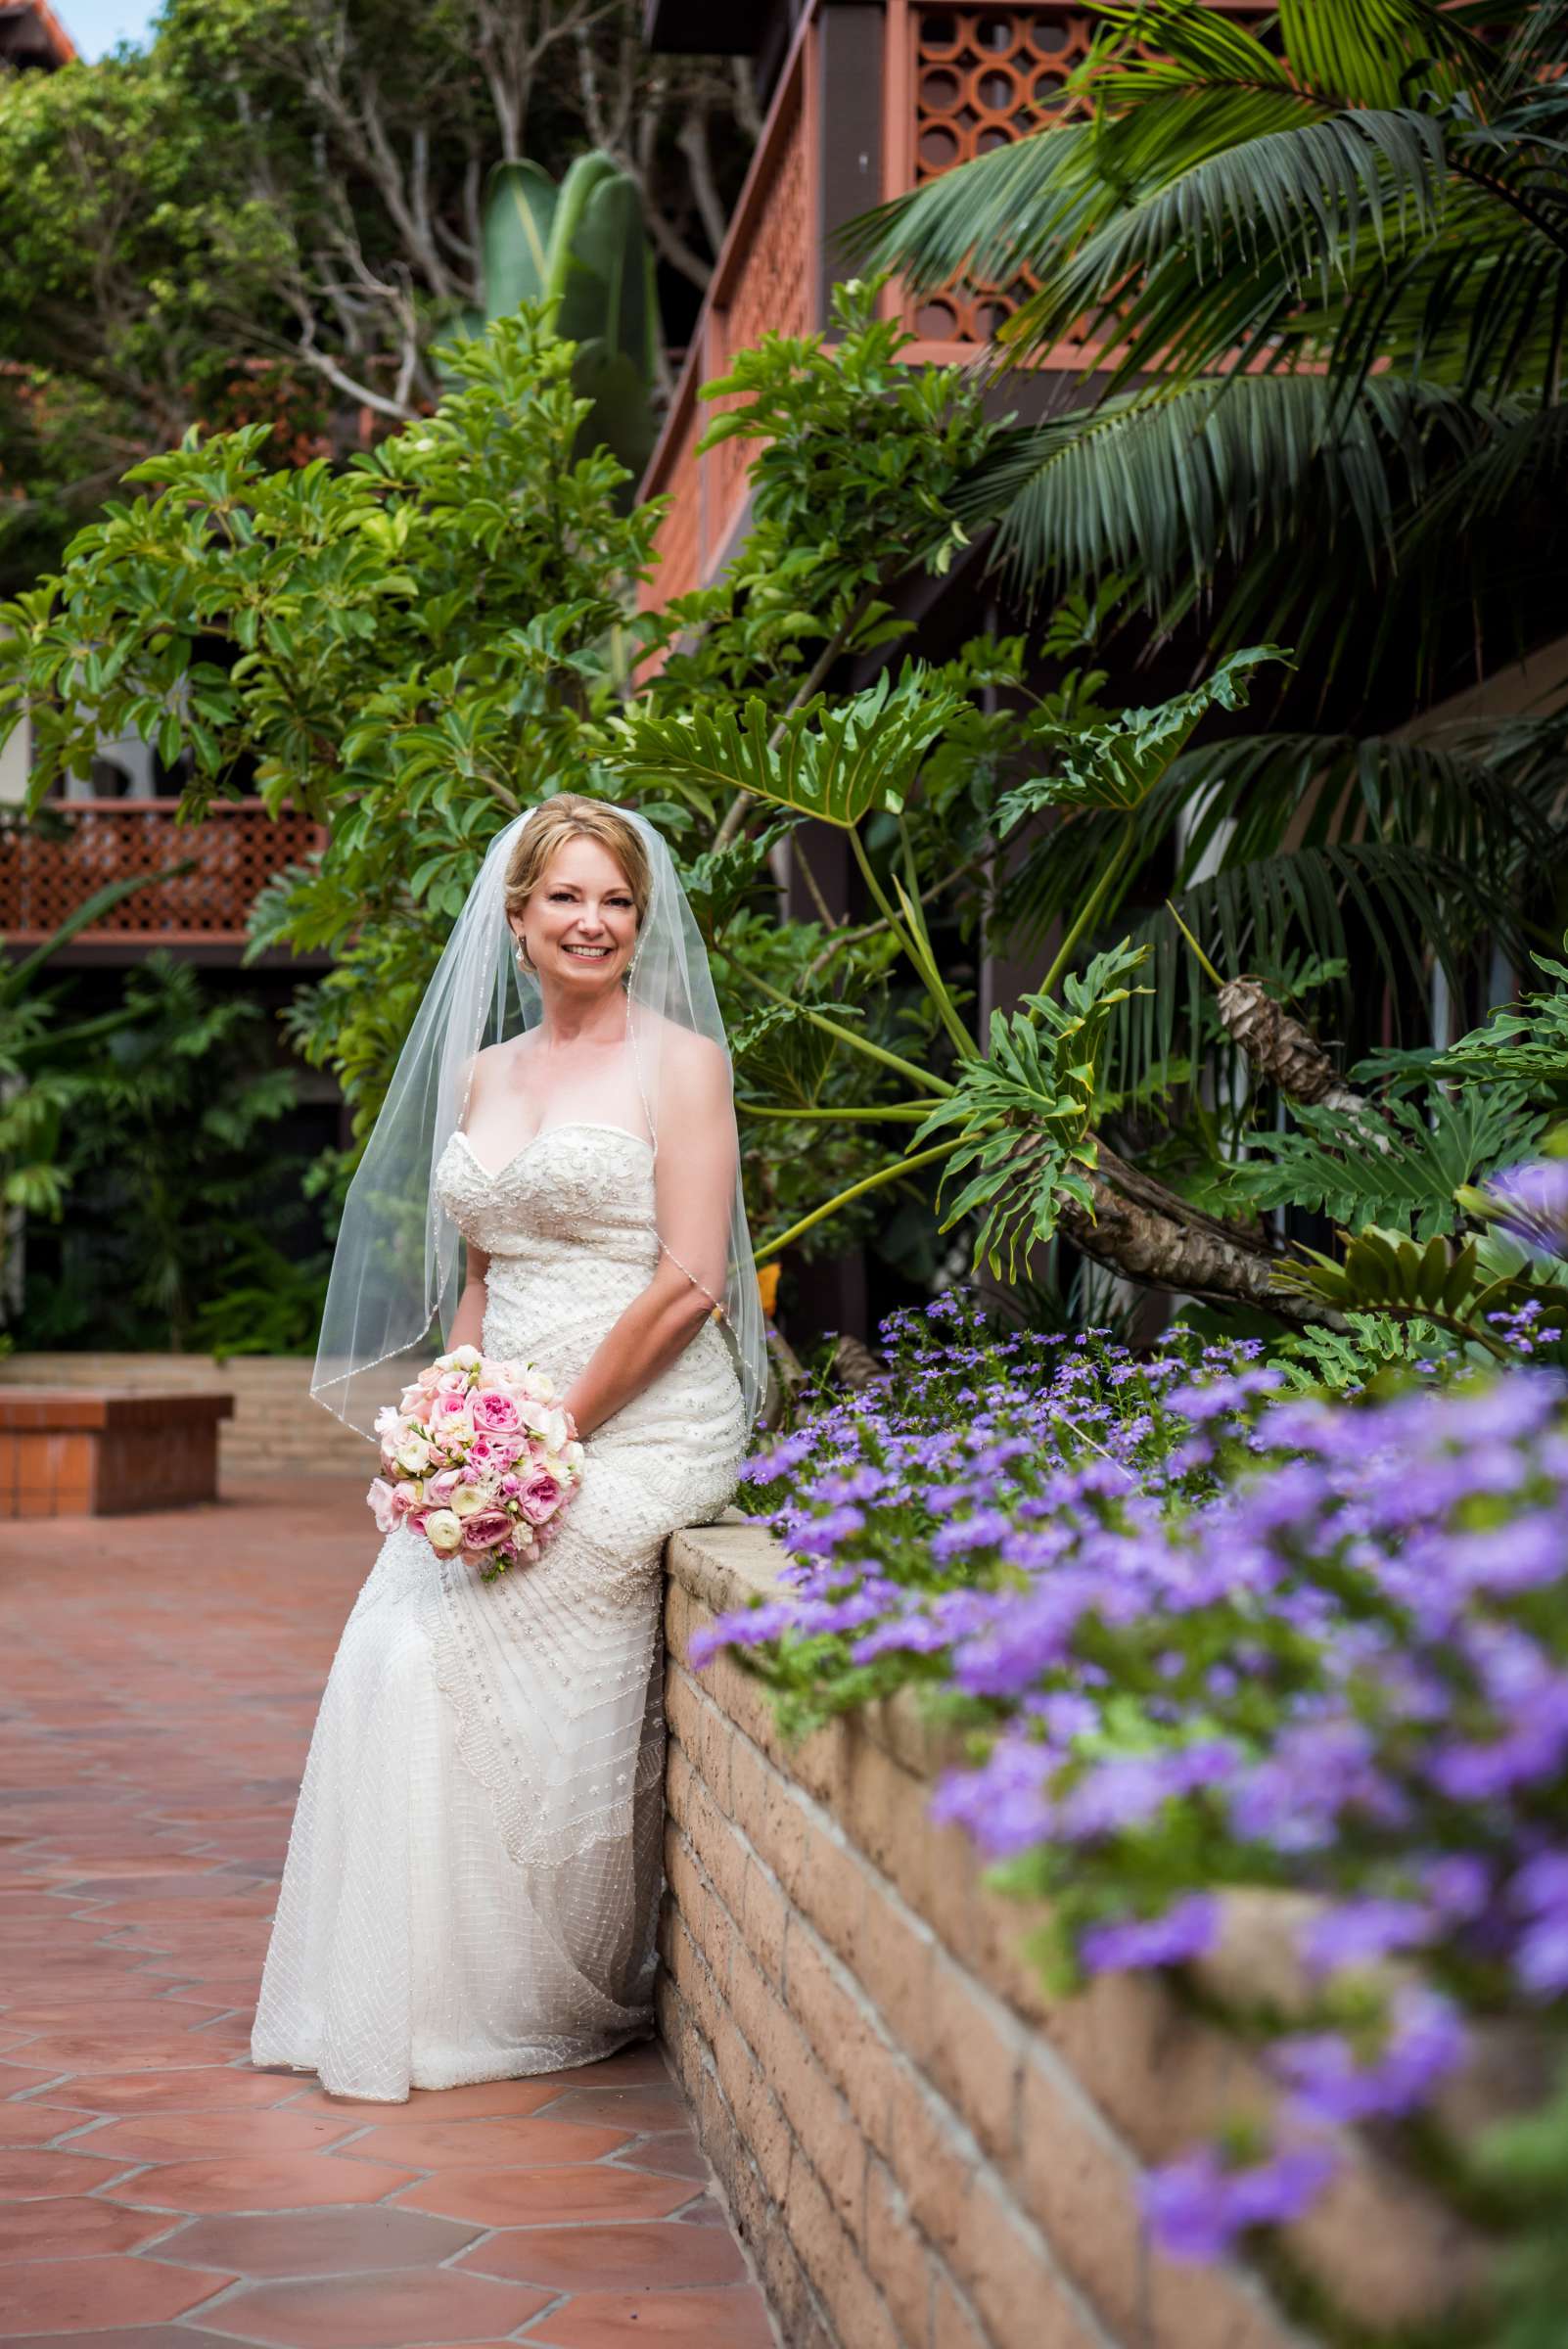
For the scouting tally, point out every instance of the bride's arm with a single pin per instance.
(694, 1182)
(469, 1319)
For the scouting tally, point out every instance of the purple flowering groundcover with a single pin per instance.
(1203, 1633)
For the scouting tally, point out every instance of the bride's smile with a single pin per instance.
(579, 930)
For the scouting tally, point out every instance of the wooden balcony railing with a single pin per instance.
(233, 852)
(955, 82)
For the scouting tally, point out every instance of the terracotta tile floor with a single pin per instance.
(159, 1677)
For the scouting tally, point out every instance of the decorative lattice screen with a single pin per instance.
(982, 78)
(232, 853)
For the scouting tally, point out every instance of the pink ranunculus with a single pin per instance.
(383, 1505)
(452, 1382)
(486, 1529)
(438, 1490)
(494, 1411)
(540, 1498)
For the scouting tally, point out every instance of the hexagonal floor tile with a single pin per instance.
(322, 2242)
(379, 2312)
(545, 2197)
(112, 2051)
(67, 2227)
(302, 2182)
(674, 2152)
(35, 2173)
(510, 2145)
(176, 2136)
(655, 2255)
(733, 2319)
(492, 2097)
(224, 2087)
(68, 2295)
(646, 2106)
(35, 2124)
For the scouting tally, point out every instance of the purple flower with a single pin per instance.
(1533, 1199)
(1424, 2043)
(1185, 1930)
(1541, 1959)
(1360, 1932)
(1196, 2207)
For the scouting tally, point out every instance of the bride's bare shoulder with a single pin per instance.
(495, 1067)
(692, 1066)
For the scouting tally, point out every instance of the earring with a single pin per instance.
(525, 960)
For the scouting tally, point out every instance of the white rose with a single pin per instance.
(444, 1530)
(461, 1358)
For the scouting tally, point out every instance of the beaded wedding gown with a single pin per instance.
(474, 1870)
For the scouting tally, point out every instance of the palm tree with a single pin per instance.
(1322, 266)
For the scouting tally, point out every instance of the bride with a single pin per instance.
(474, 1868)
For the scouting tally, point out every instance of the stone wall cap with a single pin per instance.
(61, 1408)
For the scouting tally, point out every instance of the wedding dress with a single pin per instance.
(474, 1868)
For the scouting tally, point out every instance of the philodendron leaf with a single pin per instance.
(835, 761)
(1024, 1113)
(1116, 763)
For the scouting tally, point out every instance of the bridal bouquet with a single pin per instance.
(479, 1459)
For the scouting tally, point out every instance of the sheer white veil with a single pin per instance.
(394, 1286)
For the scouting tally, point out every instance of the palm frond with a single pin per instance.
(1371, 51)
(1016, 199)
(1173, 480)
(1270, 217)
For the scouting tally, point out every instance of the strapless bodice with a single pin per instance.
(581, 1188)
(568, 1224)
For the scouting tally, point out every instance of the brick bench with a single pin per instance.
(81, 1451)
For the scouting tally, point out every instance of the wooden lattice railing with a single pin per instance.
(955, 82)
(233, 852)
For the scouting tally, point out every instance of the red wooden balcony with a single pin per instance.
(233, 852)
(870, 103)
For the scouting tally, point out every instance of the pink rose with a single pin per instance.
(383, 1505)
(540, 1500)
(486, 1529)
(438, 1490)
(450, 1417)
(494, 1411)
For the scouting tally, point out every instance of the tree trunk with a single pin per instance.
(1285, 1052)
(1144, 1231)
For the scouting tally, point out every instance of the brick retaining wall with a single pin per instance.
(921, 2149)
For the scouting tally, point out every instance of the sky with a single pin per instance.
(95, 25)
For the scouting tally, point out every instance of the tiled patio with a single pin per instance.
(159, 1677)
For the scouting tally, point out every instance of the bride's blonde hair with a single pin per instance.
(569, 816)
